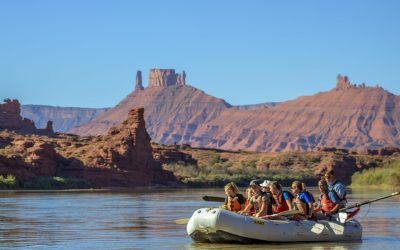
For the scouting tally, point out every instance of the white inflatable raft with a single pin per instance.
(217, 225)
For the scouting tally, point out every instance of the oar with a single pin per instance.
(367, 202)
(284, 213)
(213, 198)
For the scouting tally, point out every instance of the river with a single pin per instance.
(144, 219)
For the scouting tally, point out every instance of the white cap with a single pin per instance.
(266, 183)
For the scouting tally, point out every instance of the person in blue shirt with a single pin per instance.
(303, 201)
(336, 192)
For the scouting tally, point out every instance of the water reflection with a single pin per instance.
(145, 219)
(297, 246)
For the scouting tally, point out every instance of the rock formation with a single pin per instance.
(49, 127)
(138, 84)
(171, 154)
(356, 118)
(165, 77)
(11, 119)
(126, 146)
(342, 82)
(181, 79)
(123, 157)
(43, 159)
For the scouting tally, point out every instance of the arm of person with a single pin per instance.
(246, 209)
(334, 209)
(300, 206)
(288, 201)
(262, 208)
(310, 209)
(333, 197)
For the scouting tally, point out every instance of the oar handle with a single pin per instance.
(367, 202)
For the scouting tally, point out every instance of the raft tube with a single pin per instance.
(218, 225)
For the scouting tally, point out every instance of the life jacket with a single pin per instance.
(235, 205)
(326, 204)
(269, 200)
(307, 208)
(332, 190)
(311, 196)
(280, 203)
(252, 210)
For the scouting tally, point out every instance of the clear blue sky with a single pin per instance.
(86, 53)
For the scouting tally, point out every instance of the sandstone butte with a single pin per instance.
(348, 116)
(123, 157)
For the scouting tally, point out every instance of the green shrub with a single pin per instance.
(8, 182)
(386, 177)
(56, 182)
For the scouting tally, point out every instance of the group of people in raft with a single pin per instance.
(269, 198)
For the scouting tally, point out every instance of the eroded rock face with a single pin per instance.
(16, 166)
(138, 84)
(44, 159)
(126, 155)
(342, 82)
(126, 146)
(49, 127)
(171, 154)
(122, 158)
(166, 77)
(385, 151)
(10, 117)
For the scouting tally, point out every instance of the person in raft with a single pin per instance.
(325, 203)
(265, 186)
(283, 199)
(336, 192)
(234, 201)
(303, 200)
(261, 201)
(249, 194)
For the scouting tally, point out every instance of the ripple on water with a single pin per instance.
(145, 219)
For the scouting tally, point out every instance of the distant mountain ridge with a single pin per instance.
(348, 116)
(64, 118)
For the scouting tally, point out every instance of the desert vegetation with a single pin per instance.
(385, 177)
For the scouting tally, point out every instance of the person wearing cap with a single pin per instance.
(261, 201)
(265, 186)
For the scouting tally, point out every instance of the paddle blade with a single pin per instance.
(182, 221)
(214, 198)
(287, 213)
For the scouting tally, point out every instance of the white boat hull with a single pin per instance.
(218, 225)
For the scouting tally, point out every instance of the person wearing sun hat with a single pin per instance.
(265, 186)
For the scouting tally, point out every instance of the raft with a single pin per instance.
(218, 225)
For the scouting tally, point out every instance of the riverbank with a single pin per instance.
(386, 177)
